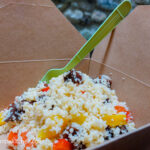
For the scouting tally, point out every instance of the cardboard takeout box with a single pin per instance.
(35, 36)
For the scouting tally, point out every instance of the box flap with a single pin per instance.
(26, 35)
(31, 2)
(128, 49)
(30, 43)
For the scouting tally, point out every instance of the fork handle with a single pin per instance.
(121, 11)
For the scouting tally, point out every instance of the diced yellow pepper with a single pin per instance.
(47, 133)
(1, 120)
(67, 94)
(115, 120)
(78, 118)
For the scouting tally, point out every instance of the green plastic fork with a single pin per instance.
(109, 24)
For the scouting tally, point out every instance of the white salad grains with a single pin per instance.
(72, 109)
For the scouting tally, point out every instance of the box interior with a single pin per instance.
(29, 49)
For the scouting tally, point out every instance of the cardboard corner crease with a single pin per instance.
(32, 43)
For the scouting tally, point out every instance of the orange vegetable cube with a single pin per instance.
(120, 109)
(62, 144)
(24, 136)
(28, 144)
(13, 137)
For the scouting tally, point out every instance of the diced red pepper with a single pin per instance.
(82, 92)
(46, 85)
(62, 144)
(45, 89)
(13, 137)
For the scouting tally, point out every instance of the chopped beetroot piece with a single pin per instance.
(30, 102)
(73, 132)
(123, 129)
(46, 85)
(110, 133)
(79, 146)
(105, 80)
(106, 101)
(73, 76)
(15, 111)
(70, 130)
(41, 96)
(52, 107)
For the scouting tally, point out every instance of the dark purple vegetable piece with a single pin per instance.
(123, 129)
(73, 131)
(105, 80)
(30, 102)
(110, 132)
(14, 113)
(73, 76)
(106, 101)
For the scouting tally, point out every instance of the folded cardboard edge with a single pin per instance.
(4, 3)
(23, 75)
(27, 4)
(100, 70)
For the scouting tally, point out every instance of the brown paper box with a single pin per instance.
(3, 3)
(35, 37)
(26, 36)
